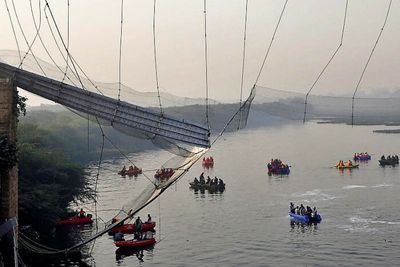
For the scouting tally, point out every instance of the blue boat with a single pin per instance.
(362, 158)
(304, 218)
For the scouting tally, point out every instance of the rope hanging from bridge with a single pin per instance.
(155, 57)
(329, 61)
(206, 61)
(243, 60)
(368, 60)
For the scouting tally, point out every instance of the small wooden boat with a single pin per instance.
(135, 243)
(129, 228)
(76, 220)
(347, 166)
(392, 162)
(213, 187)
(305, 218)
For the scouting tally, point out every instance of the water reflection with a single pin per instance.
(122, 253)
(300, 227)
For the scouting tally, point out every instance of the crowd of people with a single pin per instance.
(201, 181)
(305, 211)
(276, 166)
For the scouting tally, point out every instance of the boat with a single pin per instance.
(164, 173)
(76, 220)
(129, 228)
(347, 166)
(304, 218)
(213, 187)
(362, 158)
(392, 162)
(132, 172)
(134, 243)
(280, 171)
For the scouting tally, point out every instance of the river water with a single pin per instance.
(248, 225)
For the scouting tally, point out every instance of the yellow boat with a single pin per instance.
(347, 166)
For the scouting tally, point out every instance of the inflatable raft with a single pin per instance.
(362, 158)
(135, 243)
(76, 220)
(304, 218)
(133, 172)
(130, 228)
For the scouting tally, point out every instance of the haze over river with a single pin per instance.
(248, 225)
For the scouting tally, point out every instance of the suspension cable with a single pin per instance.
(270, 43)
(369, 58)
(155, 57)
(13, 30)
(243, 60)
(206, 62)
(329, 62)
(67, 63)
(24, 36)
(36, 35)
(120, 51)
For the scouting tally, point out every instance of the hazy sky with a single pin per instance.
(309, 33)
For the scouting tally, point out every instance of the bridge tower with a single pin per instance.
(8, 128)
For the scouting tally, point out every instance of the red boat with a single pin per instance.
(76, 220)
(135, 243)
(130, 228)
(164, 173)
(135, 171)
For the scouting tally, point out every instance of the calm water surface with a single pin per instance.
(247, 225)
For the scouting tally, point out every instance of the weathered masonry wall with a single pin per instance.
(8, 126)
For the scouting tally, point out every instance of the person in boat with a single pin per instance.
(202, 181)
(130, 169)
(215, 180)
(301, 209)
(383, 157)
(291, 207)
(148, 218)
(138, 228)
(220, 182)
(208, 180)
(314, 212)
(82, 213)
(211, 159)
(196, 182)
(123, 171)
(119, 236)
(396, 157)
(201, 176)
(349, 163)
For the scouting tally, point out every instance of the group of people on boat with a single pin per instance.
(390, 157)
(164, 173)
(276, 166)
(361, 156)
(208, 161)
(211, 182)
(138, 233)
(305, 211)
(341, 164)
(132, 170)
